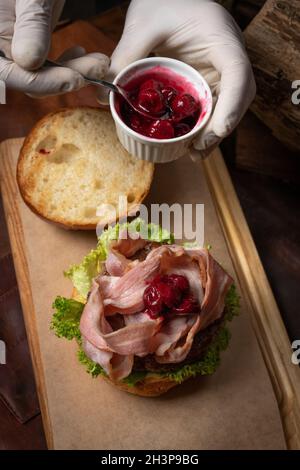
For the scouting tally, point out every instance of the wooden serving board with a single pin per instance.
(235, 408)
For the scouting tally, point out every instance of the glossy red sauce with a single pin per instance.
(160, 91)
(169, 294)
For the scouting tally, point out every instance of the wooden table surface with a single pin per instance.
(21, 112)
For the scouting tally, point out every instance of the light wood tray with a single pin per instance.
(226, 229)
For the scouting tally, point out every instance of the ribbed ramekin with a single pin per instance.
(160, 150)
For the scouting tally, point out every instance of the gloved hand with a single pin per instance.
(202, 34)
(25, 35)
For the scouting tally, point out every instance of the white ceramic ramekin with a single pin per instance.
(161, 150)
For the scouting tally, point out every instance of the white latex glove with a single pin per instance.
(203, 34)
(25, 35)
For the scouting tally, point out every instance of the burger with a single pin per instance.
(147, 313)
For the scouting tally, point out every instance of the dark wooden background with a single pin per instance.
(265, 174)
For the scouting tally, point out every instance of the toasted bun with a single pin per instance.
(151, 386)
(72, 162)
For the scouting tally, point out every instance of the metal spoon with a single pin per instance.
(116, 89)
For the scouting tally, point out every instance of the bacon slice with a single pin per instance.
(121, 293)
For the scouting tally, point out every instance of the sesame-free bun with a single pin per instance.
(72, 162)
(151, 386)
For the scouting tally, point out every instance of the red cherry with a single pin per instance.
(168, 93)
(157, 279)
(183, 105)
(170, 295)
(151, 84)
(187, 305)
(161, 130)
(153, 300)
(181, 129)
(151, 314)
(151, 100)
(179, 282)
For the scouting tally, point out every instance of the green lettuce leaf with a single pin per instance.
(208, 364)
(91, 367)
(132, 379)
(82, 274)
(232, 303)
(66, 318)
(151, 232)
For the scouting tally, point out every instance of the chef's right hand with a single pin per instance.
(25, 36)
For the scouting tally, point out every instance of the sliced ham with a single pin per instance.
(129, 243)
(121, 366)
(125, 295)
(217, 283)
(93, 324)
(119, 296)
(118, 260)
(97, 355)
(184, 265)
(116, 264)
(116, 366)
(216, 287)
(134, 338)
(172, 331)
(106, 284)
(178, 352)
(143, 317)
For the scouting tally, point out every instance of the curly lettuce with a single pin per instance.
(82, 274)
(66, 318)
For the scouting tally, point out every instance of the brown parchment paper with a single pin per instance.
(233, 409)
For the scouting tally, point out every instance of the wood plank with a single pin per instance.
(257, 150)
(111, 22)
(272, 40)
(233, 382)
(9, 194)
(267, 322)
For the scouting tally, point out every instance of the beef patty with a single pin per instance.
(198, 350)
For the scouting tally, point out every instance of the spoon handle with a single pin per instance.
(100, 82)
(94, 81)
